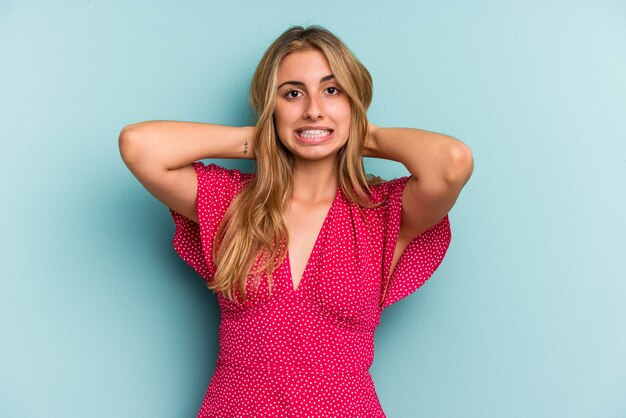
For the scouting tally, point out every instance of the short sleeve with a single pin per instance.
(421, 257)
(217, 187)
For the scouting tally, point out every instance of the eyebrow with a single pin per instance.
(300, 83)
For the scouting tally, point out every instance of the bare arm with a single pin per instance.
(440, 166)
(160, 153)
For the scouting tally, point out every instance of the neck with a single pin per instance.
(314, 181)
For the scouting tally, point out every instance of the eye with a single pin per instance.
(335, 90)
(289, 94)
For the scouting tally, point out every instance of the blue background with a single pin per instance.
(525, 317)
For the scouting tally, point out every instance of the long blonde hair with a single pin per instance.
(254, 226)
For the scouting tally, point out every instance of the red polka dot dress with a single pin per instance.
(306, 352)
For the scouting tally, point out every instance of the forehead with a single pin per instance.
(307, 66)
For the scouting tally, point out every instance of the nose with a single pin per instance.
(313, 109)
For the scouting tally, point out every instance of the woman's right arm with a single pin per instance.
(160, 153)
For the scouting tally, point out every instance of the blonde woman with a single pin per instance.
(304, 254)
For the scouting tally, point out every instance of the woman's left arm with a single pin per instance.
(439, 165)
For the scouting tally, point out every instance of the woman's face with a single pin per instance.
(312, 114)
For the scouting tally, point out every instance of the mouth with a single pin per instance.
(313, 136)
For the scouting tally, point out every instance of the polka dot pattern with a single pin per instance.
(307, 351)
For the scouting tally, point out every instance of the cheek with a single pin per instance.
(344, 112)
(282, 118)
(280, 128)
(277, 117)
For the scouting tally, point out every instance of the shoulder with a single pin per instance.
(213, 175)
(212, 169)
(382, 191)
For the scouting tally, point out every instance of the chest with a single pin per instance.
(333, 264)
(304, 226)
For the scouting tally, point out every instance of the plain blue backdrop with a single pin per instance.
(525, 317)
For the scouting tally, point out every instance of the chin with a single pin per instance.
(316, 156)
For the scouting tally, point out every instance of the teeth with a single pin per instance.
(314, 133)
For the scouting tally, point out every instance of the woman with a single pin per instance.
(306, 253)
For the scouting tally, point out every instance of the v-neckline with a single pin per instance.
(315, 245)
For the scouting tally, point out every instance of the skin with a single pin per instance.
(309, 102)
(314, 103)
(159, 154)
(439, 165)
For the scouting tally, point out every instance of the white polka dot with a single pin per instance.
(307, 352)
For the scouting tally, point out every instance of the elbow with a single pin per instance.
(128, 144)
(461, 163)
